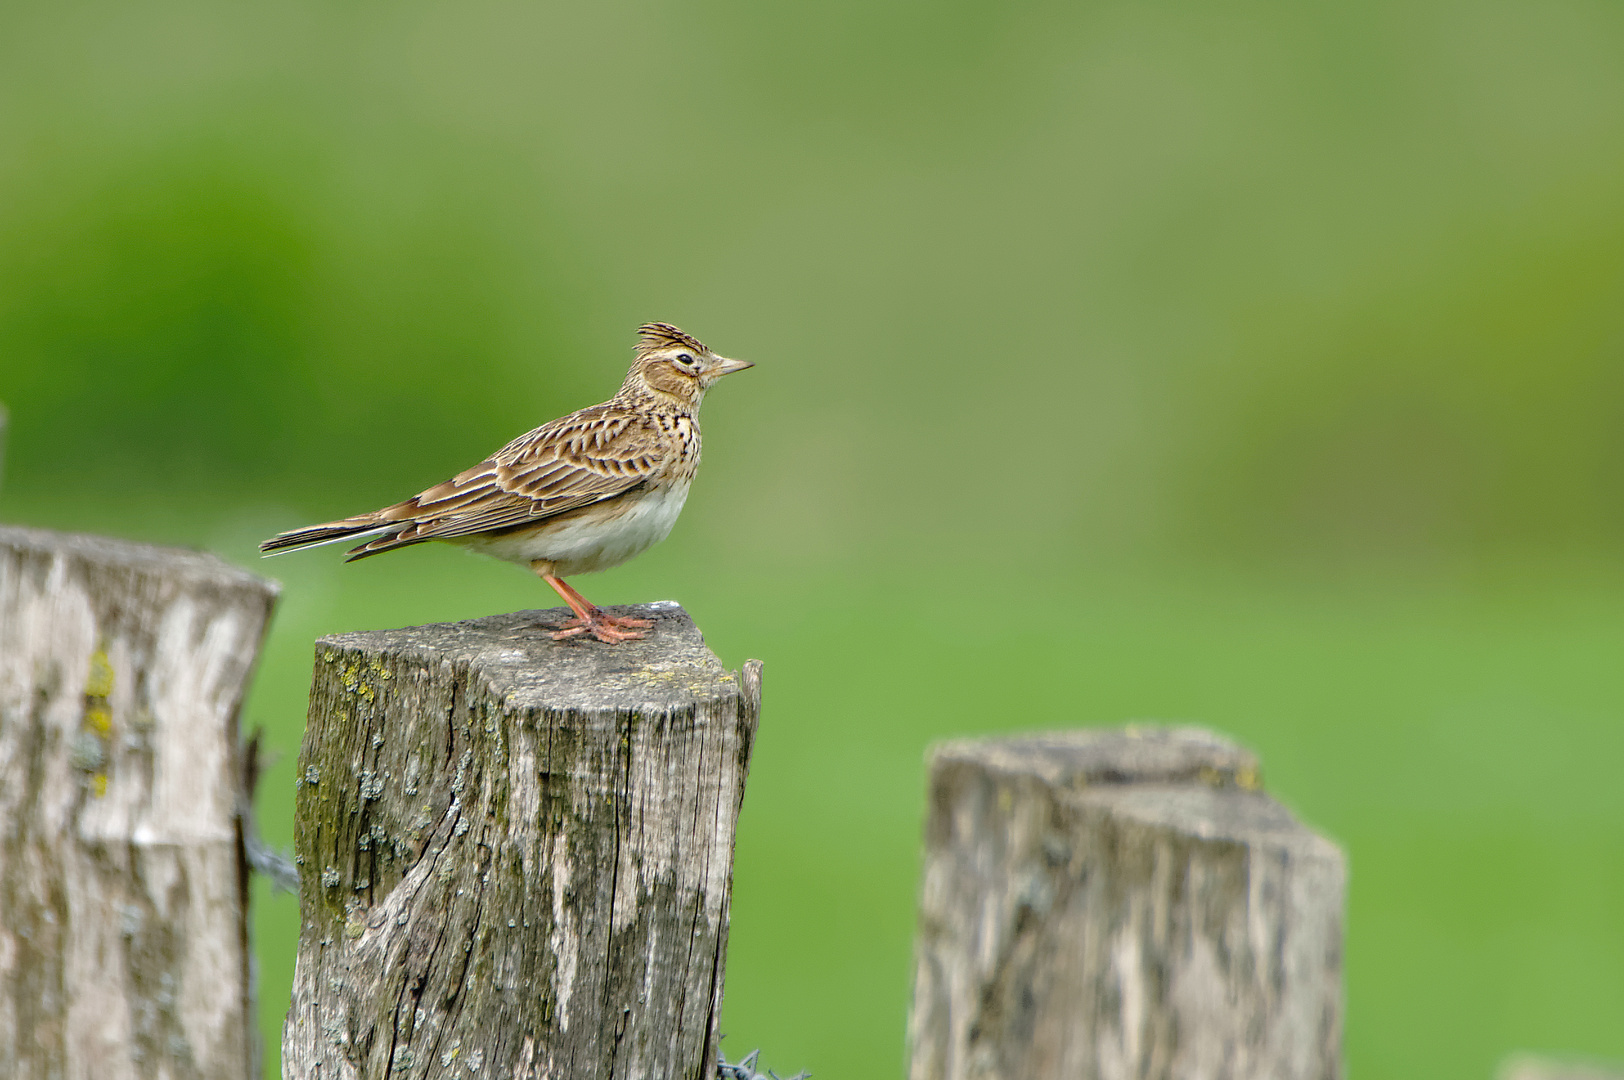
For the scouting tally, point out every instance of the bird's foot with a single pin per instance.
(609, 629)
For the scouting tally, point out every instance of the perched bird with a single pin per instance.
(585, 492)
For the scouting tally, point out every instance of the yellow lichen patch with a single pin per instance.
(100, 681)
(695, 677)
(98, 720)
(1249, 779)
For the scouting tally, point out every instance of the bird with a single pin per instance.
(585, 492)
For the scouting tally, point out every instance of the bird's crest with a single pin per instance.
(659, 335)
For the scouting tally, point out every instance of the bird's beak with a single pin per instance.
(724, 366)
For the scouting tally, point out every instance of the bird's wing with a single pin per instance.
(574, 461)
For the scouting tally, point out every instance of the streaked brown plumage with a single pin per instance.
(585, 492)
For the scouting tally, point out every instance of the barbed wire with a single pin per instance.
(745, 1069)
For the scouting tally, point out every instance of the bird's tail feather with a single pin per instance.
(333, 532)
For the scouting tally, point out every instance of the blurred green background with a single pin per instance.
(1257, 364)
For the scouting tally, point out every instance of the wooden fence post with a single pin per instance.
(1122, 904)
(1539, 1067)
(516, 854)
(123, 882)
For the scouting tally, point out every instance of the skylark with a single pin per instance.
(585, 492)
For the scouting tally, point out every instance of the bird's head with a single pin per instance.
(676, 364)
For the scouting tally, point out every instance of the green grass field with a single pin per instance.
(1461, 739)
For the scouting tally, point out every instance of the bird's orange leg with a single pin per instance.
(590, 619)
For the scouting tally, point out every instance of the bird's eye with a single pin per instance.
(683, 360)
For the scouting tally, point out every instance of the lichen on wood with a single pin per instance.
(123, 886)
(516, 853)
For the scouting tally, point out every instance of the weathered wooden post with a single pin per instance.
(1122, 904)
(1539, 1067)
(123, 883)
(516, 854)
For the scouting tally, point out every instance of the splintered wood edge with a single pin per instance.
(750, 690)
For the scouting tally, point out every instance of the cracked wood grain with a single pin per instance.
(123, 887)
(1122, 904)
(516, 854)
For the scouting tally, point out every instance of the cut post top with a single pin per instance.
(104, 553)
(523, 665)
(1137, 754)
(1183, 778)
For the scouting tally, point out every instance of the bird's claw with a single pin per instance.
(609, 629)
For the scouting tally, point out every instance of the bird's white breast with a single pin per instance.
(597, 537)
